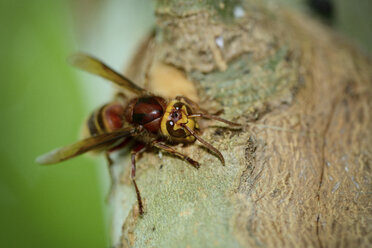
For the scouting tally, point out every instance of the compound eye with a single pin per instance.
(179, 133)
(178, 105)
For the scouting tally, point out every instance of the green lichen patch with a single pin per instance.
(249, 82)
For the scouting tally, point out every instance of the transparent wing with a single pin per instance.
(85, 145)
(95, 66)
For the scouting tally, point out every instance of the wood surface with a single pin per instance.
(298, 174)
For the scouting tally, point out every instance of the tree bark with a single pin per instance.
(298, 174)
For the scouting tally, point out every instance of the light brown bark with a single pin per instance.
(298, 174)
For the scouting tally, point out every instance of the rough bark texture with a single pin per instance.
(297, 175)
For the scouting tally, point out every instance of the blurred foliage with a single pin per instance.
(41, 108)
(352, 18)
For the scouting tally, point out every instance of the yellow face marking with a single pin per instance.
(190, 122)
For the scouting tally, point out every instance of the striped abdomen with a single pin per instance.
(106, 119)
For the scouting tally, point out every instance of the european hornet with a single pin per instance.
(149, 120)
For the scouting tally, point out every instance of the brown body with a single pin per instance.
(147, 113)
(148, 119)
(106, 119)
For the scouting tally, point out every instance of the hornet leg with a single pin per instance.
(137, 149)
(169, 149)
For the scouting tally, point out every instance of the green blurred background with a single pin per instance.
(44, 103)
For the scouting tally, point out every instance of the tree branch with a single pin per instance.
(288, 79)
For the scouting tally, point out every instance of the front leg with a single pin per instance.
(137, 149)
(162, 146)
